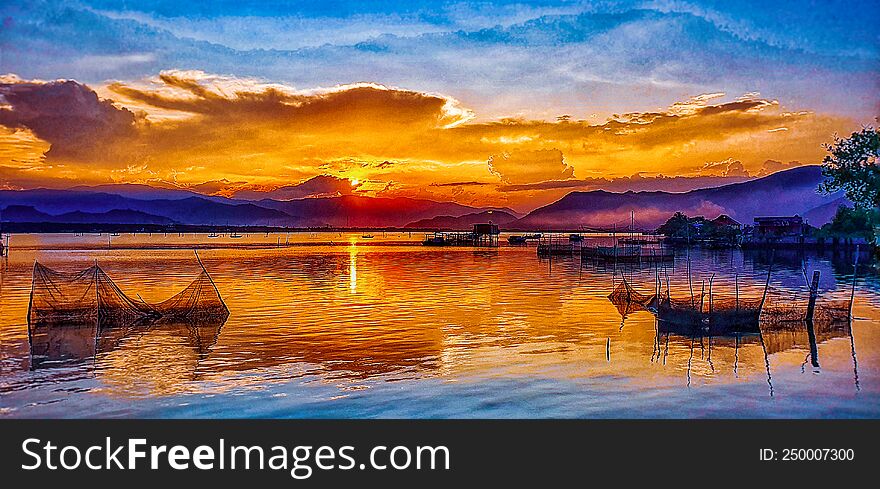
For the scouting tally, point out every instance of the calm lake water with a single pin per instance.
(381, 328)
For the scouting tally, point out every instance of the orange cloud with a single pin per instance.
(530, 166)
(192, 127)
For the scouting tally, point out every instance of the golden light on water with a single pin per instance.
(353, 317)
(352, 269)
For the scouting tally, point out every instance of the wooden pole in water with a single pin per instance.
(852, 338)
(736, 288)
(767, 284)
(852, 294)
(711, 279)
(811, 308)
(632, 244)
(666, 272)
(702, 294)
(690, 282)
(656, 278)
(614, 243)
(814, 293)
(31, 300)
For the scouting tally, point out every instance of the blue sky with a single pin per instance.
(533, 59)
(486, 103)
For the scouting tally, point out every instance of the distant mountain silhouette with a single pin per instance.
(21, 213)
(184, 207)
(788, 192)
(825, 212)
(189, 210)
(465, 222)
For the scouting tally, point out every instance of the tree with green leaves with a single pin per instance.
(852, 166)
(853, 223)
(677, 226)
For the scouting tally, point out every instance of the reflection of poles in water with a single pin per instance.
(709, 358)
(814, 350)
(702, 294)
(736, 355)
(711, 279)
(766, 360)
(852, 294)
(666, 349)
(608, 349)
(811, 308)
(760, 331)
(852, 340)
(655, 346)
(690, 360)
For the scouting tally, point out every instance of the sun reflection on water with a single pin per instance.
(307, 316)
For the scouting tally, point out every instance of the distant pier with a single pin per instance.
(483, 234)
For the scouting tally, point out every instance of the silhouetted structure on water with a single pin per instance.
(76, 315)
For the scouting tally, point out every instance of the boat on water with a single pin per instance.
(575, 238)
(114, 234)
(367, 236)
(234, 235)
(213, 235)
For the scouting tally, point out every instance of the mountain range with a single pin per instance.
(788, 192)
(163, 206)
(466, 221)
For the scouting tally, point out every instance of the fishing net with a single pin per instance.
(825, 312)
(710, 310)
(625, 295)
(200, 300)
(91, 296)
(63, 297)
(711, 304)
(88, 296)
(731, 312)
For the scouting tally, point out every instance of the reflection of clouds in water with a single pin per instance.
(342, 318)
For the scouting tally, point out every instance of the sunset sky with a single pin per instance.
(503, 103)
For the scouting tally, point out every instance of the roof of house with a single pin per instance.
(726, 220)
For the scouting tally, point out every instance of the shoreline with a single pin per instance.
(208, 246)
